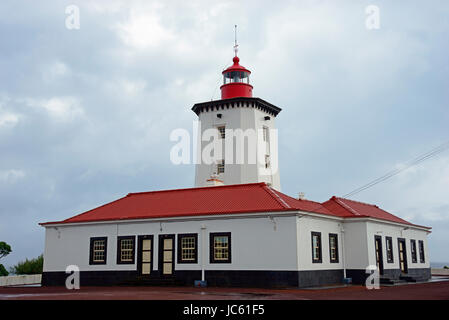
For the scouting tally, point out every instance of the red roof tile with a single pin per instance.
(242, 198)
(229, 199)
(354, 209)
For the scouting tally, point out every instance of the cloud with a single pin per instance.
(8, 119)
(59, 108)
(55, 71)
(11, 176)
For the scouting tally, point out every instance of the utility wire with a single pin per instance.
(407, 165)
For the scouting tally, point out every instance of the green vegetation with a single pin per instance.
(33, 266)
(3, 271)
(5, 249)
(446, 267)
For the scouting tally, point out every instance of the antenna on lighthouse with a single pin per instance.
(236, 46)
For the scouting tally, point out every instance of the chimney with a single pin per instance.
(301, 196)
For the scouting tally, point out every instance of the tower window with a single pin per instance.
(267, 161)
(266, 136)
(221, 167)
(222, 131)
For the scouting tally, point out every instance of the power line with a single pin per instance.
(407, 165)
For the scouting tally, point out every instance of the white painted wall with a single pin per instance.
(387, 230)
(256, 245)
(238, 118)
(356, 244)
(258, 242)
(305, 226)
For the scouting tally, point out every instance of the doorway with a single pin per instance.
(167, 255)
(379, 256)
(145, 255)
(402, 255)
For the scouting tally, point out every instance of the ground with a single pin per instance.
(438, 290)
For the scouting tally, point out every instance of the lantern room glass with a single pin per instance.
(236, 77)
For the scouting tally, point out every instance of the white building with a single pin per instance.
(241, 232)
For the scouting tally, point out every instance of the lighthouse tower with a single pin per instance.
(241, 131)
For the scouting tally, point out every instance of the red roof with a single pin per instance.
(242, 198)
(236, 66)
(219, 200)
(346, 208)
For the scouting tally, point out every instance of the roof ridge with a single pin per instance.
(365, 203)
(196, 188)
(275, 196)
(346, 206)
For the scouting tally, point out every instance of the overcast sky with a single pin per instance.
(86, 114)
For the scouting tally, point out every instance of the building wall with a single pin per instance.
(256, 243)
(315, 274)
(385, 230)
(265, 251)
(237, 118)
(360, 246)
(356, 245)
(305, 226)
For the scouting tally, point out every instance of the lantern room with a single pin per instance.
(236, 81)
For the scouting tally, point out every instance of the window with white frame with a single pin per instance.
(187, 248)
(333, 247)
(220, 247)
(413, 251)
(125, 249)
(421, 251)
(316, 247)
(389, 244)
(98, 250)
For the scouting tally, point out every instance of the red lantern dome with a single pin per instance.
(236, 81)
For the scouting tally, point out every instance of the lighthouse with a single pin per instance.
(245, 133)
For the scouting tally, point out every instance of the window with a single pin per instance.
(221, 167)
(389, 244)
(98, 250)
(413, 251)
(316, 247)
(421, 251)
(267, 161)
(125, 250)
(188, 248)
(333, 247)
(220, 247)
(266, 136)
(222, 131)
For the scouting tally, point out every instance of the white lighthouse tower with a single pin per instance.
(243, 131)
